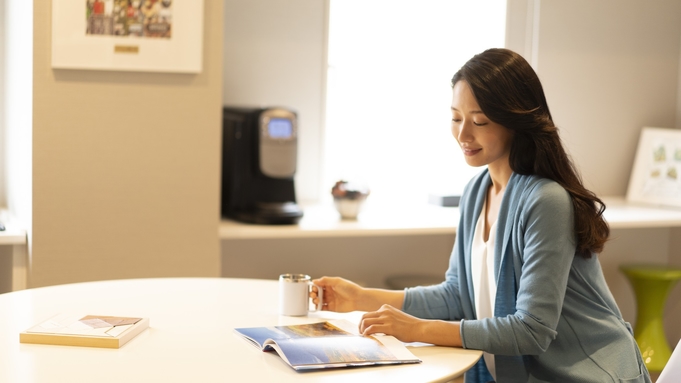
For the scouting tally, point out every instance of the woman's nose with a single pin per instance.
(462, 133)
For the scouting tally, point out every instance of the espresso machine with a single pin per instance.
(259, 159)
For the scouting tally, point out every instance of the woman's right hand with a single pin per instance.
(340, 295)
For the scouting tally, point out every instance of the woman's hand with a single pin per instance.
(340, 295)
(391, 321)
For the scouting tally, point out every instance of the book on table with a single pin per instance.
(328, 344)
(85, 330)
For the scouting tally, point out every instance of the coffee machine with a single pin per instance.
(259, 160)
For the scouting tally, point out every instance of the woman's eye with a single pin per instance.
(456, 120)
(479, 123)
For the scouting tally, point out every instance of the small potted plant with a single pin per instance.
(348, 198)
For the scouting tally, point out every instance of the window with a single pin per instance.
(389, 93)
(16, 119)
(3, 81)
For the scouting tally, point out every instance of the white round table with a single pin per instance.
(190, 338)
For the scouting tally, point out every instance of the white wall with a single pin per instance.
(275, 55)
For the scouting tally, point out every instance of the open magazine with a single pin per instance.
(326, 345)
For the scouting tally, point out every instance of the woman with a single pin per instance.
(524, 282)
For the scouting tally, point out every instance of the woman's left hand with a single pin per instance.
(391, 321)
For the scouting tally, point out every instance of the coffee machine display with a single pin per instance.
(259, 158)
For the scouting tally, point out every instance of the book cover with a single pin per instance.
(85, 330)
(327, 345)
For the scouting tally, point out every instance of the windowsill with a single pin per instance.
(12, 235)
(323, 221)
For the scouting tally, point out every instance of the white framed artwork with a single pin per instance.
(128, 35)
(656, 175)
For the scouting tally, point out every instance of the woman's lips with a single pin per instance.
(470, 152)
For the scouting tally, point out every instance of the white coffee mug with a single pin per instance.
(294, 295)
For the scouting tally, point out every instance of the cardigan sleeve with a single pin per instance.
(542, 242)
(436, 302)
(449, 300)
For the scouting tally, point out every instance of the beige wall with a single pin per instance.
(368, 260)
(125, 167)
(609, 68)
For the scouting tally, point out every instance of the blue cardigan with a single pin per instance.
(555, 319)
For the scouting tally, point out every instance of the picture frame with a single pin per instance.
(656, 175)
(128, 35)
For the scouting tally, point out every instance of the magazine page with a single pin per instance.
(327, 345)
(259, 335)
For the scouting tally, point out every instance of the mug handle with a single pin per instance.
(320, 295)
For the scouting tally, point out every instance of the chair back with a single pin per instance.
(672, 370)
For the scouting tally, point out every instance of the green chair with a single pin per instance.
(652, 284)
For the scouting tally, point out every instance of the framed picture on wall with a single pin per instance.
(128, 35)
(656, 176)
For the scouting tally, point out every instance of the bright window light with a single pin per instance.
(389, 93)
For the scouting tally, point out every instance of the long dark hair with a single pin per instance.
(510, 94)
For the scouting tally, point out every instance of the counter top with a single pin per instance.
(324, 221)
(424, 219)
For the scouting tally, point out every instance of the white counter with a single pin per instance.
(324, 221)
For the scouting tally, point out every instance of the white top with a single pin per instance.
(484, 280)
(190, 336)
